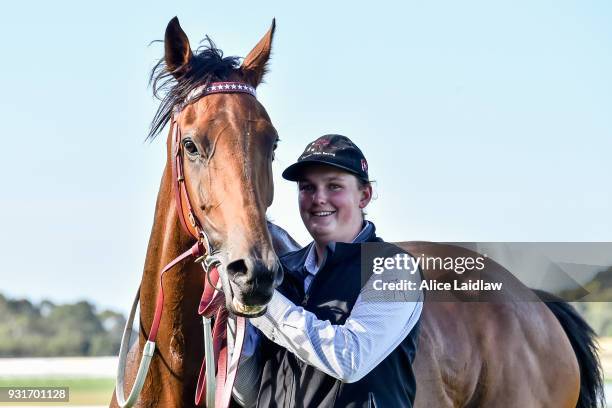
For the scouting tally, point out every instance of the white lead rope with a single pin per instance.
(147, 355)
(209, 356)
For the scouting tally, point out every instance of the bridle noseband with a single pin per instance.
(216, 390)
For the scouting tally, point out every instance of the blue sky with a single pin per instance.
(481, 121)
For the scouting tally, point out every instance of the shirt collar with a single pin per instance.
(311, 259)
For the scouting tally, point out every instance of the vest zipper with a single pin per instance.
(307, 293)
(312, 283)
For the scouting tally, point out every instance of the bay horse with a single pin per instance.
(225, 147)
(502, 351)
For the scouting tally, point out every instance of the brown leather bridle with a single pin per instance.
(212, 303)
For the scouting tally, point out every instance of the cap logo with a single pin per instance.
(317, 145)
(364, 165)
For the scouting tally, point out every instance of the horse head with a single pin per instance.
(226, 144)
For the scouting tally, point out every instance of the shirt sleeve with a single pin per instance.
(347, 352)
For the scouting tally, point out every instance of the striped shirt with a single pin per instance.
(346, 352)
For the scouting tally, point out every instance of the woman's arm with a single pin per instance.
(347, 352)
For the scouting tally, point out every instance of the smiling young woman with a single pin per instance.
(323, 342)
(331, 202)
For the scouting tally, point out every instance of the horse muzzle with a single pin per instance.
(250, 285)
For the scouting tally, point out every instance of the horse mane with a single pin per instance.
(171, 88)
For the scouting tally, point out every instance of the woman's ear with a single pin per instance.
(366, 196)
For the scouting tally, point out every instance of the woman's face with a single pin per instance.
(330, 203)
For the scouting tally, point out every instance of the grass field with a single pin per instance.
(98, 391)
(82, 391)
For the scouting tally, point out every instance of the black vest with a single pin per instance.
(288, 382)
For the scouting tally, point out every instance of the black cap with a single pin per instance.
(333, 150)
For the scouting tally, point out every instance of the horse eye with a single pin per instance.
(190, 146)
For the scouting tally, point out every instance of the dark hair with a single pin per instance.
(363, 183)
(207, 65)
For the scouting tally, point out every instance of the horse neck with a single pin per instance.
(179, 340)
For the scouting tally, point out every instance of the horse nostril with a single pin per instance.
(238, 267)
(253, 279)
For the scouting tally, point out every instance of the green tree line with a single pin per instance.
(50, 330)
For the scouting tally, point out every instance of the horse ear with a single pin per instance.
(176, 46)
(255, 64)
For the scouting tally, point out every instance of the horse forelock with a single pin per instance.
(207, 65)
